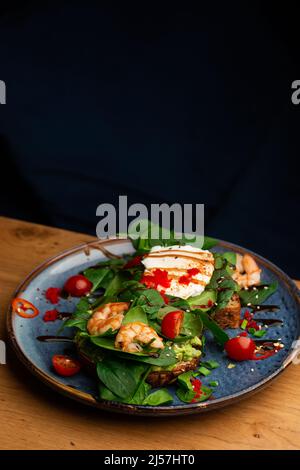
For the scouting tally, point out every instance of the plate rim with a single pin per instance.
(141, 410)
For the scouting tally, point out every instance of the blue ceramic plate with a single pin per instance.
(234, 384)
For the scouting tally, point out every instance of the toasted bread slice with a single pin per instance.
(164, 377)
(229, 317)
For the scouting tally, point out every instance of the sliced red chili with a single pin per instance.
(24, 308)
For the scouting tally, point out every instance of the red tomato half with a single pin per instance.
(78, 285)
(65, 365)
(171, 324)
(240, 348)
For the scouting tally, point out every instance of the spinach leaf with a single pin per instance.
(192, 324)
(106, 394)
(188, 395)
(119, 377)
(220, 336)
(185, 395)
(259, 295)
(201, 301)
(79, 323)
(79, 317)
(99, 277)
(150, 300)
(115, 285)
(167, 357)
(185, 380)
(135, 314)
(223, 298)
(163, 237)
(181, 304)
(164, 358)
(159, 397)
(141, 393)
(230, 256)
(209, 243)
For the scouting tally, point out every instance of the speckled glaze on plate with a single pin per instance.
(237, 383)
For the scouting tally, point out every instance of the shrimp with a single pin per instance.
(247, 272)
(131, 335)
(106, 317)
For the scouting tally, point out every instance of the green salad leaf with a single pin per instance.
(165, 357)
(119, 377)
(185, 390)
(80, 316)
(99, 277)
(159, 397)
(258, 295)
(192, 324)
(203, 300)
(220, 336)
(135, 314)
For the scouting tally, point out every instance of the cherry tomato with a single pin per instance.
(240, 348)
(78, 285)
(171, 324)
(65, 366)
(23, 308)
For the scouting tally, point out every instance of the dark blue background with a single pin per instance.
(182, 104)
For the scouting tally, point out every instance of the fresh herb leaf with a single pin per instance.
(259, 333)
(214, 383)
(159, 397)
(187, 395)
(118, 377)
(166, 357)
(106, 394)
(220, 336)
(259, 295)
(208, 296)
(204, 371)
(99, 277)
(192, 324)
(224, 297)
(135, 314)
(230, 256)
(185, 380)
(211, 364)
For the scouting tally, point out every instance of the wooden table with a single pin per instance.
(34, 417)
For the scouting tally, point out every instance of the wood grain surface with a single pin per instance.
(34, 417)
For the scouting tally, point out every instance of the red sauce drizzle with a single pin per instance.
(52, 294)
(51, 315)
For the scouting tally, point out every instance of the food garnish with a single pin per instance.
(24, 308)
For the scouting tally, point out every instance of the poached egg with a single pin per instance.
(189, 269)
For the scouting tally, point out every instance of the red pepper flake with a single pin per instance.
(159, 278)
(193, 271)
(136, 261)
(188, 278)
(196, 384)
(51, 315)
(184, 280)
(52, 294)
(251, 323)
